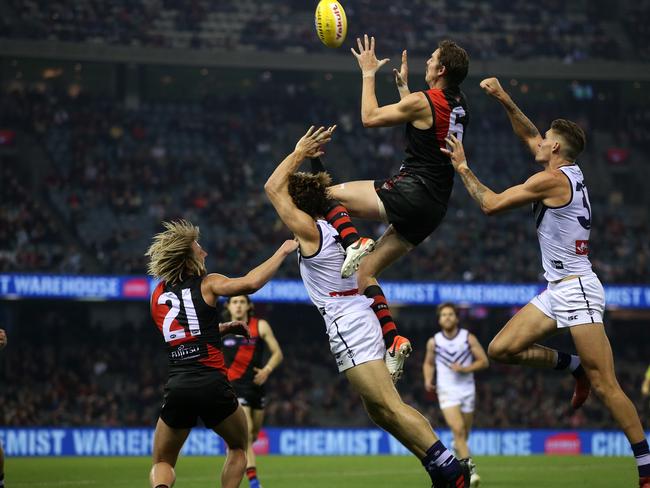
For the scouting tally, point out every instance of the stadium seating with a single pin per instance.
(115, 173)
(570, 31)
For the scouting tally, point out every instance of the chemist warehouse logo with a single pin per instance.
(564, 443)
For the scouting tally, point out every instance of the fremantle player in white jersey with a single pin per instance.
(574, 298)
(354, 332)
(453, 355)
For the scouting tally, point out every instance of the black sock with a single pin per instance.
(2, 479)
(567, 361)
(642, 455)
(317, 166)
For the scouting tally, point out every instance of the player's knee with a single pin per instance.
(498, 351)
(459, 433)
(602, 384)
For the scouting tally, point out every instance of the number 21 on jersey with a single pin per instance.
(171, 299)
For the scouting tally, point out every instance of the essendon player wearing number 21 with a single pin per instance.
(184, 308)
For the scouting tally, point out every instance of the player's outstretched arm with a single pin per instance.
(538, 187)
(220, 285)
(277, 187)
(429, 365)
(276, 357)
(411, 107)
(522, 126)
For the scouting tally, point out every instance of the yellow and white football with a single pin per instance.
(331, 23)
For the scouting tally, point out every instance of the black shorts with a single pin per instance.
(250, 395)
(212, 402)
(410, 207)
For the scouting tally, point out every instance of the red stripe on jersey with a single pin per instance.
(215, 359)
(244, 354)
(442, 114)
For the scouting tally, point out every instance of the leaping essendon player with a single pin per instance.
(414, 201)
(574, 298)
(184, 307)
(301, 201)
(249, 368)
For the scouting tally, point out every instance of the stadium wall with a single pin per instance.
(38, 442)
(39, 286)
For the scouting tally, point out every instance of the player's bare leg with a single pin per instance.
(390, 247)
(385, 407)
(515, 344)
(597, 360)
(475, 479)
(254, 419)
(359, 199)
(454, 419)
(234, 431)
(167, 443)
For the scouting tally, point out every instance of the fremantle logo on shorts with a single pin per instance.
(183, 353)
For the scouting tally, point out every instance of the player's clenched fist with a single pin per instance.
(3, 338)
(492, 87)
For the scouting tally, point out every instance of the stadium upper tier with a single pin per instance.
(110, 174)
(570, 31)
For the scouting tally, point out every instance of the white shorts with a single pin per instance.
(355, 338)
(466, 398)
(573, 302)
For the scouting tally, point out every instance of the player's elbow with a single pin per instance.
(370, 120)
(270, 188)
(487, 210)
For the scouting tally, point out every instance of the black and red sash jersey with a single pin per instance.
(189, 326)
(243, 354)
(423, 156)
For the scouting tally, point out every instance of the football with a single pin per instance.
(331, 23)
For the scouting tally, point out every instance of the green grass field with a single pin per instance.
(324, 472)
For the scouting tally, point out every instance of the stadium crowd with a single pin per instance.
(115, 173)
(73, 374)
(570, 31)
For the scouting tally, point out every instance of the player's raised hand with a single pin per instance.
(402, 76)
(3, 338)
(289, 246)
(368, 62)
(235, 327)
(309, 145)
(492, 87)
(455, 151)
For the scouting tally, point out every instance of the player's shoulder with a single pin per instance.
(546, 179)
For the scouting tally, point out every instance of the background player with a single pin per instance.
(353, 329)
(453, 355)
(184, 307)
(248, 371)
(413, 202)
(574, 298)
(3, 343)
